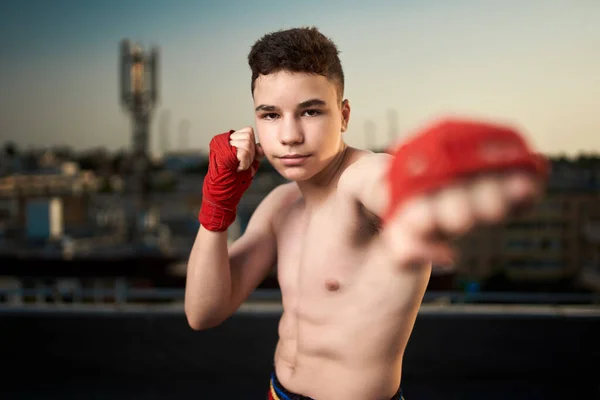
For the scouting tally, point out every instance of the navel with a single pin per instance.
(332, 285)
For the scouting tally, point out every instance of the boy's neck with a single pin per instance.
(317, 188)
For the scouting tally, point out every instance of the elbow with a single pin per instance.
(199, 321)
(198, 324)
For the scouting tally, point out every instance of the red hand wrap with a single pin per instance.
(223, 185)
(453, 149)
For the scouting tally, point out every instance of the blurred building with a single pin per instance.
(183, 161)
(557, 243)
(62, 195)
(545, 244)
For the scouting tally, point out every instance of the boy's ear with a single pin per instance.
(345, 114)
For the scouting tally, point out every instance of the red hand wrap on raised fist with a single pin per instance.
(223, 185)
(453, 149)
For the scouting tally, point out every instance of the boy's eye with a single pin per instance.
(312, 113)
(269, 116)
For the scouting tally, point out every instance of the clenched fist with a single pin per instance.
(452, 177)
(247, 148)
(423, 230)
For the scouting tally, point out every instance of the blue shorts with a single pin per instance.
(278, 392)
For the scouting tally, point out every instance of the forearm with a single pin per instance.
(208, 283)
(213, 277)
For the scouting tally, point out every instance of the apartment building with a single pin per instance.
(559, 240)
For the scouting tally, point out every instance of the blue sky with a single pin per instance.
(531, 63)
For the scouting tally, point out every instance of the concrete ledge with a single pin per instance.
(149, 343)
(275, 308)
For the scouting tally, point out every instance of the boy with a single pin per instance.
(354, 234)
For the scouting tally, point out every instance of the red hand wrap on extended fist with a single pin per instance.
(223, 185)
(453, 149)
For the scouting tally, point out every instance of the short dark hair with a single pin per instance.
(297, 50)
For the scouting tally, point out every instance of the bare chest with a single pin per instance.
(321, 253)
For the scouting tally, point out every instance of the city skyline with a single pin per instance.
(532, 65)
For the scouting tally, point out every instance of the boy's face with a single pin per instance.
(299, 122)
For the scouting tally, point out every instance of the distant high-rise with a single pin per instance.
(164, 121)
(184, 130)
(393, 126)
(370, 134)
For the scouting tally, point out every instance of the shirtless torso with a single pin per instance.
(336, 285)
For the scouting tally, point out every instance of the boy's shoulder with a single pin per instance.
(361, 164)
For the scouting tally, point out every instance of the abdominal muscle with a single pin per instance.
(354, 352)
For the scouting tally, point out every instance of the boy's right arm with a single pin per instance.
(220, 279)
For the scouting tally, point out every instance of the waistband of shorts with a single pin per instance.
(278, 392)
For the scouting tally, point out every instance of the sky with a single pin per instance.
(534, 64)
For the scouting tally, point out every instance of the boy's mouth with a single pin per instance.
(294, 159)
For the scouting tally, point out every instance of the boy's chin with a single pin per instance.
(295, 174)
